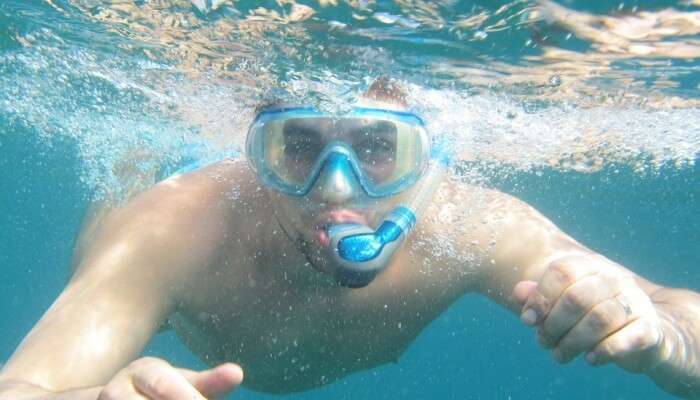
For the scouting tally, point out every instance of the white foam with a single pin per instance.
(129, 115)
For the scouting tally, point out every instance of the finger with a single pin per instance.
(120, 388)
(577, 300)
(602, 320)
(522, 291)
(120, 396)
(163, 382)
(215, 382)
(560, 274)
(635, 347)
(123, 396)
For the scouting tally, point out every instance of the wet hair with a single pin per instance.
(387, 90)
(268, 105)
(382, 89)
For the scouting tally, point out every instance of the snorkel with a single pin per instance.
(361, 253)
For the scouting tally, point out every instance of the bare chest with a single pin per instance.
(289, 336)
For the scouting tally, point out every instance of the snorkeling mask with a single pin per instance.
(386, 151)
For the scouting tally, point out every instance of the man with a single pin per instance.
(298, 267)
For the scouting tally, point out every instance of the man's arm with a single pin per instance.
(102, 319)
(579, 301)
(128, 281)
(680, 372)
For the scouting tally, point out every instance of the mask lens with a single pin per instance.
(388, 150)
(303, 143)
(292, 147)
(374, 143)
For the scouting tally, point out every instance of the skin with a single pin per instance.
(234, 268)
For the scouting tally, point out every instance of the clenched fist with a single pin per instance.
(588, 304)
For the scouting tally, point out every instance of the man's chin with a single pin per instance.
(315, 253)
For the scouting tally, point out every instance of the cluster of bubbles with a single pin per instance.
(142, 88)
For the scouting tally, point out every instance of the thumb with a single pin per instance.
(522, 291)
(215, 382)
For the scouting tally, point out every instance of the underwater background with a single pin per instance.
(589, 111)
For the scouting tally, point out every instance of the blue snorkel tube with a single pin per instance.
(361, 253)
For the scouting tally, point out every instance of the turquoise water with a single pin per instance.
(593, 119)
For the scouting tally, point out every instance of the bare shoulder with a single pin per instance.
(173, 226)
(466, 202)
(474, 228)
(195, 191)
(505, 239)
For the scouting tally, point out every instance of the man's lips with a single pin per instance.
(334, 217)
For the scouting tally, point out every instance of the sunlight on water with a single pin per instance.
(145, 87)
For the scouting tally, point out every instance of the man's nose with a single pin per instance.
(337, 182)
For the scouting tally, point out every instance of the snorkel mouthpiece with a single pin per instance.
(367, 246)
(361, 253)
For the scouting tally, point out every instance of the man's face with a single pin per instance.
(336, 198)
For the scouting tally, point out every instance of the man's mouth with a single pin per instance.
(328, 219)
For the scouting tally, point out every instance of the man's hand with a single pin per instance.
(155, 379)
(587, 304)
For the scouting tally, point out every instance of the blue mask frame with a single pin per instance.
(334, 153)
